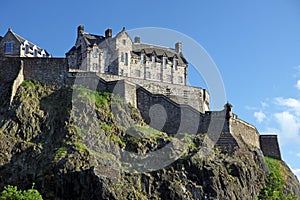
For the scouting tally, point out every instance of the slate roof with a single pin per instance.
(22, 40)
(148, 49)
(160, 51)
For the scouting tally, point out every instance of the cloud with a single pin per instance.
(293, 104)
(289, 126)
(260, 116)
(298, 154)
(298, 85)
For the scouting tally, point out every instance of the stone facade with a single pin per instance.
(119, 55)
(14, 45)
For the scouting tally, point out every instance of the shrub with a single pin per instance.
(12, 193)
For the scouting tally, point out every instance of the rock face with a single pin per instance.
(70, 142)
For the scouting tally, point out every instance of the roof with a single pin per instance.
(22, 40)
(160, 51)
(91, 39)
(137, 48)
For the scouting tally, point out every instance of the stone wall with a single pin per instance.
(46, 70)
(9, 69)
(270, 146)
(197, 98)
(244, 130)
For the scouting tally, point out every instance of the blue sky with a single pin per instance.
(255, 44)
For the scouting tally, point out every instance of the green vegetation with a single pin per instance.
(275, 182)
(12, 193)
(60, 153)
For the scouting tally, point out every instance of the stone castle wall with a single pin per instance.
(173, 116)
(197, 98)
(244, 130)
(269, 146)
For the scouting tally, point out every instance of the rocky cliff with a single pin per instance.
(70, 142)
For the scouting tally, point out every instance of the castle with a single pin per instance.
(186, 107)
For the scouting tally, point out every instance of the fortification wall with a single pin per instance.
(169, 116)
(244, 130)
(197, 98)
(46, 70)
(9, 69)
(270, 146)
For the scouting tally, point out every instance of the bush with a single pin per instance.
(12, 193)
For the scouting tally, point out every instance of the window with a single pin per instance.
(143, 59)
(180, 79)
(105, 54)
(26, 49)
(137, 73)
(175, 64)
(106, 69)
(148, 75)
(169, 78)
(126, 59)
(158, 76)
(124, 42)
(122, 72)
(95, 67)
(165, 63)
(9, 47)
(95, 53)
(35, 53)
(122, 57)
(153, 61)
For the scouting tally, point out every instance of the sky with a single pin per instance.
(255, 45)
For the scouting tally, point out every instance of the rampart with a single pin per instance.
(195, 97)
(166, 101)
(244, 130)
(269, 146)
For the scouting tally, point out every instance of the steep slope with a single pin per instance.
(70, 142)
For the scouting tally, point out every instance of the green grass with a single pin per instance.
(275, 182)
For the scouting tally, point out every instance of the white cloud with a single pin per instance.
(289, 127)
(298, 85)
(264, 104)
(260, 116)
(298, 154)
(293, 104)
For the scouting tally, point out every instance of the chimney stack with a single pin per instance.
(137, 39)
(108, 33)
(80, 30)
(178, 47)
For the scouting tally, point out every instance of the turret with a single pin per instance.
(80, 30)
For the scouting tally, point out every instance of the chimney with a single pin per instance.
(108, 33)
(137, 39)
(178, 47)
(80, 30)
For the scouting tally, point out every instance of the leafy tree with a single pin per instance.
(12, 193)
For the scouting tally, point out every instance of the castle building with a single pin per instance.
(121, 56)
(14, 45)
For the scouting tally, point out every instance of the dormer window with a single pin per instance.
(153, 61)
(124, 42)
(9, 47)
(143, 59)
(122, 57)
(164, 63)
(26, 48)
(35, 53)
(175, 64)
